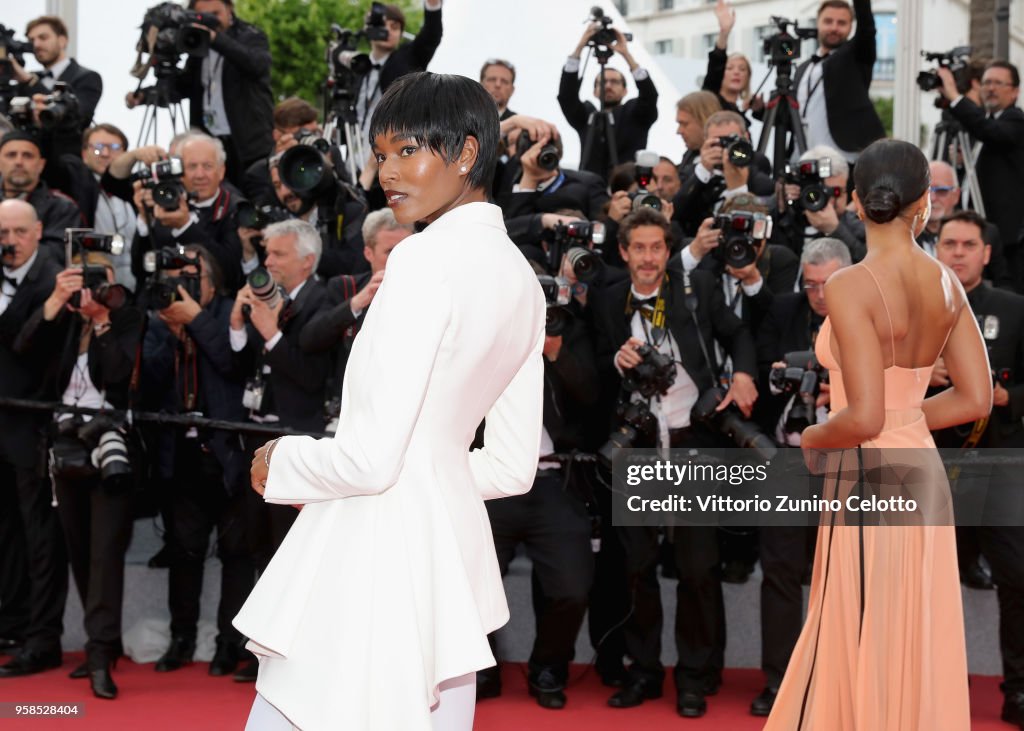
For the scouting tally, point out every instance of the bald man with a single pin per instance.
(33, 570)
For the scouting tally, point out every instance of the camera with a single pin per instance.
(809, 175)
(163, 178)
(83, 448)
(548, 158)
(740, 235)
(737, 150)
(162, 290)
(956, 61)
(731, 423)
(11, 48)
(635, 418)
(248, 215)
(604, 38)
(783, 48)
(654, 375)
(78, 241)
(306, 168)
(581, 242)
(19, 112)
(264, 287)
(177, 33)
(646, 160)
(557, 293)
(802, 375)
(61, 106)
(376, 28)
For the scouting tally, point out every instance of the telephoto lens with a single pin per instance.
(264, 287)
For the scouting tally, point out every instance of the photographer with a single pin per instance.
(999, 126)
(228, 89)
(627, 195)
(95, 349)
(206, 205)
(796, 223)
(21, 169)
(49, 38)
(728, 76)
(188, 368)
(293, 117)
(498, 76)
(390, 61)
(728, 166)
(631, 120)
(81, 175)
(33, 576)
(963, 248)
(791, 326)
(692, 113)
(832, 86)
(628, 315)
(334, 328)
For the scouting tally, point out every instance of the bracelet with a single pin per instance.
(266, 455)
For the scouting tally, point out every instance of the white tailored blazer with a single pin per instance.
(387, 583)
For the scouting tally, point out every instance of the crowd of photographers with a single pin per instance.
(216, 284)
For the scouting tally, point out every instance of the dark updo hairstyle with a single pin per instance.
(441, 111)
(889, 176)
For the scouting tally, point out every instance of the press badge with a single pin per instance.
(990, 328)
(252, 397)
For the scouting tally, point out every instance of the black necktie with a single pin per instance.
(11, 281)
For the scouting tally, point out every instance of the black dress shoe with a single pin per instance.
(29, 662)
(225, 660)
(613, 674)
(102, 683)
(635, 693)
(177, 656)
(80, 672)
(1013, 709)
(248, 672)
(690, 704)
(762, 705)
(488, 683)
(976, 576)
(711, 686)
(548, 690)
(9, 645)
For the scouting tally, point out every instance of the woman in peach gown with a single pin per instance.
(882, 648)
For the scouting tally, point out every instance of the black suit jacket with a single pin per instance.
(696, 199)
(248, 100)
(582, 191)
(416, 54)
(633, 120)
(1000, 168)
(790, 225)
(779, 268)
(70, 175)
(57, 212)
(847, 72)
(296, 383)
(23, 373)
(716, 322)
(87, 86)
(571, 389)
(334, 328)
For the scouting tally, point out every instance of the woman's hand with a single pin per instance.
(260, 469)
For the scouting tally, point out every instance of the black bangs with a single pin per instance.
(441, 111)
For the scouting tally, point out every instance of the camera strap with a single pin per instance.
(186, 372)
(654, 315)
(555, 185)
(690, 300)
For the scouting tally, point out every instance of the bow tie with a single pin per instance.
(646, 302)
(11, 281)
(45, 74)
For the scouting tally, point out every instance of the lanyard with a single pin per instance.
(555, 185)
(812, 89)
(214, 72)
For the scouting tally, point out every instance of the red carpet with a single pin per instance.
(190, 699)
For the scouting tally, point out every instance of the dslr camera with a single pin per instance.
(163, 178)
(740, 235)
(307, 168)
(162, 290)
(603, 40)
(580, 242)
(731, 423)
(85, 448)
(810, 176)
(78, 241)
(737, 150)
(646, 160)
(635, 418)
(177, 33)
(249, 215)
(557, 293)
(783, 48)
(802, 376)
(955, 60)
(61, 106)
(654, 375)
(549, 156)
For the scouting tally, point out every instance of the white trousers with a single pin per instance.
(453, 712)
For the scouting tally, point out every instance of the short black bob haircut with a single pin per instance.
(441, 111)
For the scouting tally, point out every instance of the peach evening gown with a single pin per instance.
(882, 648)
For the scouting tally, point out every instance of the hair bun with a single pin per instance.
(882, 204)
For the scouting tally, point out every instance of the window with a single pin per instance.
(666, 4)
(885, 60)
(663, 48)
(623, 7)
(707, 42)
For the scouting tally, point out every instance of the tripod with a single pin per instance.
(783, 124)
(163, 94)
(342, 127)
(951, 138)
(600, 126)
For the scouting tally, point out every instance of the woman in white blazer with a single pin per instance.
(374, 613)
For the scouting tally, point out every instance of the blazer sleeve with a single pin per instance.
(407, 324)
(1004, 133)
(507, 464)
(250, 52)
(88, 89)
(713, 77)
(575, 111)
(425, 44)
(645, 111)
(864, 39)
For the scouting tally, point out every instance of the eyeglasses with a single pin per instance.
(996, 82)
(942, 189)
(99, 147)
(813, 286)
